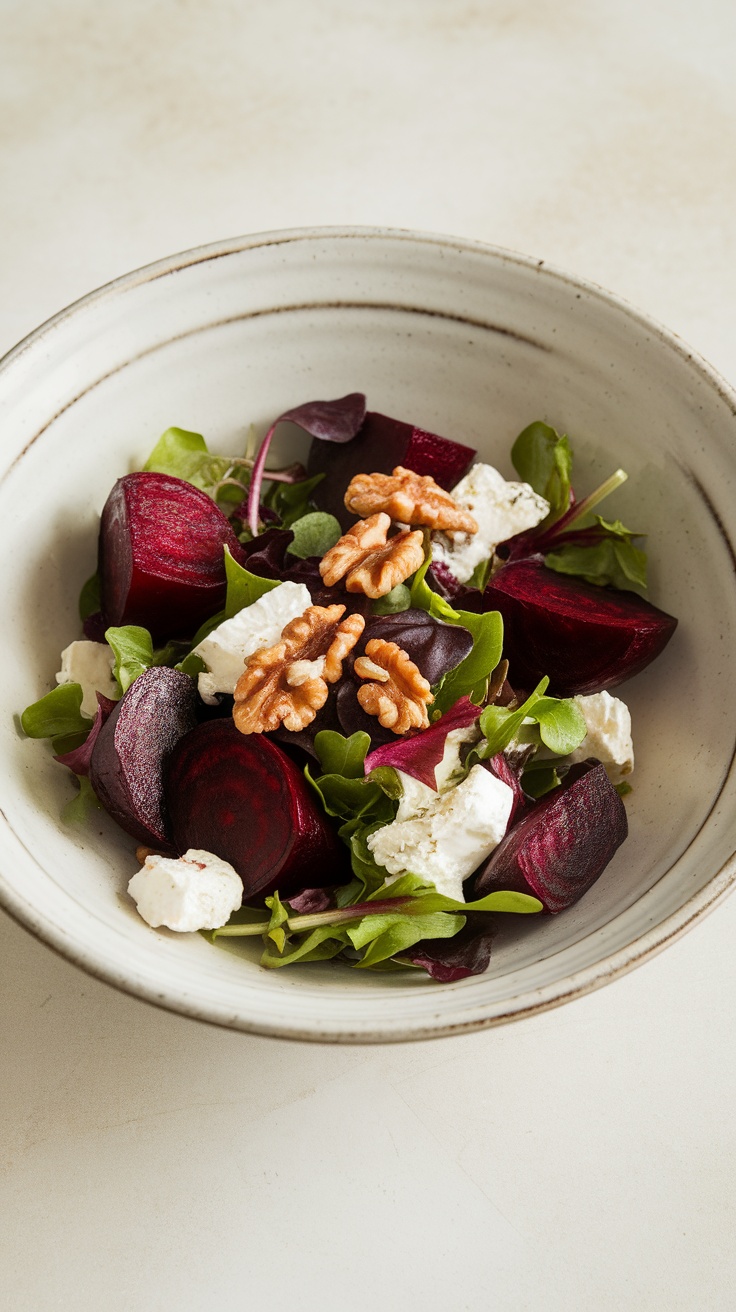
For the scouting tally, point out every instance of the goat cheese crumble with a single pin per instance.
(608, 736)
(195, 891)
(90, 664)
(501, 510)
(450, 837)
(226, 649)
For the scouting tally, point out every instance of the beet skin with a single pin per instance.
(561, 846)
(131, 747)
(241, 797)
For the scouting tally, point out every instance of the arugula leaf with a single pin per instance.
(90, 600)
(340, 755)
(487, 631)
(243, 588)
(57, 714)
(133, 650)
(314, 534)
(398, 599)
(610, 558)
(292, 500)
(544, 459)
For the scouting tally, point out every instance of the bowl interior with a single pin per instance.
(471, 343)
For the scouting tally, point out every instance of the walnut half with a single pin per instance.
(408, 498)
(396, 692)
(369, 561)
(287, 683)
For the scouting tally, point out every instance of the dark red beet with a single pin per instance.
(561, 847)
(381, 444)
(132, 747)
(161, 555)
(583, 637)
(241, 797)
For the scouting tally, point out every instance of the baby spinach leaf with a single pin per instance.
(562, 725)
(340, 755)
(57, 714)
(487, 632)
(314, 534)
(243, 588)
(133, 651)
(542, 458)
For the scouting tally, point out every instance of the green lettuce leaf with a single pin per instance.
(614, 560)
(560, 722)
(292, 500)
(542, 458)
(398, 599)
(57, 714)
(185, 455)
(85, 801)
(243, 588)
(470, 676)
(314, 534)
(133, 650)
(340, 755)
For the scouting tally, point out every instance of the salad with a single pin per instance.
(361, 708)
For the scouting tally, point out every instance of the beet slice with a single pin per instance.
(132, 746)
(161, 557)
(241, 797)
(584, 638)
(560, 847)
(380, 445)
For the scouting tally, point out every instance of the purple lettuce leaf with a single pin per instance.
(447, 960)
(309, 900)
(419, 755)
(94, 627)
(78, 760)
(331, 421)
(265, 555)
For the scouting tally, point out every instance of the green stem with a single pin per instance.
(298, 924)
(594, 499)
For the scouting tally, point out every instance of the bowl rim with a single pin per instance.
(532, 1001)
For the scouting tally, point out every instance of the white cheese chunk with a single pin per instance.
(451, 837)
(226, 649)
(196, 891)
(608, 738)
(90, 664)
(501, 509)
(417, 796)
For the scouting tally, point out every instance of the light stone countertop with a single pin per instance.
(582, 1159)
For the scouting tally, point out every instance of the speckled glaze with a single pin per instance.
(462, 339)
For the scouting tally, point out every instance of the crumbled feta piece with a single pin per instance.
(451, 837)
(195, 891)
(226, 649)
(501, 509)
(416, 796)
(91, 664)
(608, 738)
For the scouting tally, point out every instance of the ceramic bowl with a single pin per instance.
(466, 340)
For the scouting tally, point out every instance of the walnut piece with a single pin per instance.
(370, 562)
(401, 697)
(287, 683)
(409, 498)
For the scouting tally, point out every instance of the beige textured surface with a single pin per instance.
(585, 1158)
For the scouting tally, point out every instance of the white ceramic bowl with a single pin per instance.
(466, 340)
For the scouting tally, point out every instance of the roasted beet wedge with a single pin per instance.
(132, 746)
(561, 846)
(161, 557)
(241, 797)
(381, 444)
(583, 637)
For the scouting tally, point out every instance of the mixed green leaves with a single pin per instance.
(543, 458)
(603, 553)
(57, 715)
(470, 678)
(559, 723)
(314, 534)
(185, 455)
